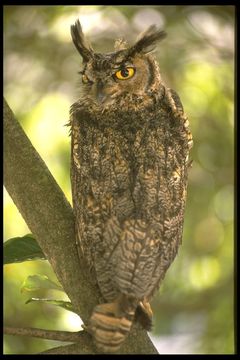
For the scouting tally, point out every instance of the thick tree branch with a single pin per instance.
(46, 211)
(49, 216)
(71, 349)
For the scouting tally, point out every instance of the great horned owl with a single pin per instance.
(130, 147)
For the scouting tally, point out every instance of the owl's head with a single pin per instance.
(126, 70)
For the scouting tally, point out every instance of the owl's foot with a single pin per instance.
(109, 325)
(144, 315)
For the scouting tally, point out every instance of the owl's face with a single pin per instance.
(104, 78)
(129, 70)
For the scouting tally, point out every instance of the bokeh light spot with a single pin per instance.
(223, 203)
(209, 234)
(204, 272)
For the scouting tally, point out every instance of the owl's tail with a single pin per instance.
(110, 323)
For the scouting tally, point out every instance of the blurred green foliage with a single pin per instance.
(193, 312)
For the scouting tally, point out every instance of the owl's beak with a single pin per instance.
(100, 93)
(101, 97)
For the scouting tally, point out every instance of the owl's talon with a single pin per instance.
(144, 315)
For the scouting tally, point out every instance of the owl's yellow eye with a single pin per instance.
(125, 73)
(85, 79)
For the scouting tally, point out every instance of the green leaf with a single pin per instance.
(67, 305)
(38, 282)
(21, 249)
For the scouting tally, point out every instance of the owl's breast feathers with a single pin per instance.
(129, 181)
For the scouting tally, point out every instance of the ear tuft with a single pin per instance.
(147, 41)
(80, 42)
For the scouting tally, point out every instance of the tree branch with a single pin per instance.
(137, 342)
(45, 334)
(83, 342)
(49, 216)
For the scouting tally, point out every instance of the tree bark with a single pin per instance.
(49, 216)
(46, 334)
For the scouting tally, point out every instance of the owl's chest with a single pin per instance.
(126, 166)
(111, 159)
(104, 158)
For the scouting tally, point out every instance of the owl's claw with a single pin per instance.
(144, 315)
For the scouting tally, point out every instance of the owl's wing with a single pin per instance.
(135, 259)
(139, 259)
(173, 101)
(149, 243)
(132, 265)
